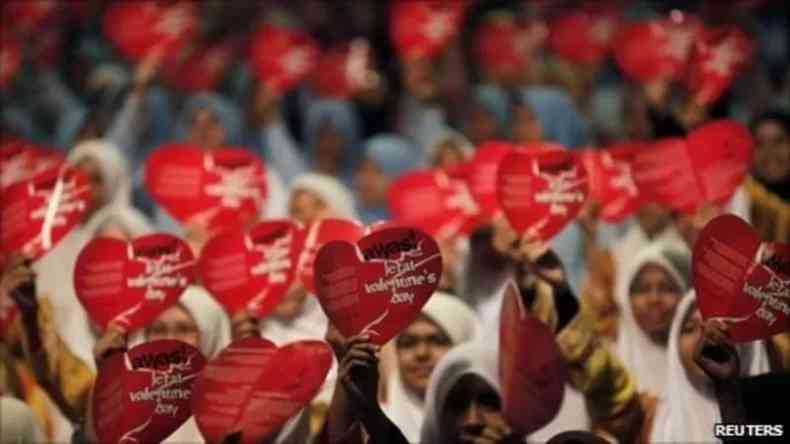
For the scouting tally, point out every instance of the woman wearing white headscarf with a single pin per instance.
(314, 195)
(652, 285)
(448, 149)
(445, 321)
(688, 409)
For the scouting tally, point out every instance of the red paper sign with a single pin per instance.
(137, 28)
(38, 212)
(202, 68)
(20, 160)
(541, 190)
(282, 57)
(503, 46)
(144, 395)
(612, 182)
(222, 188)
(316, 236)
(532, 371)
(423, 28)
(343, 71)
(10, 58)
(717, 58)
(131, 283)
(707, 167)
(252, 270)
(253, 387)
(378, 285)
(583, 36)
(433, 202)
(742, 280)
(481, 175)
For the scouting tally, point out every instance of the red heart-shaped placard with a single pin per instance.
(717, 58)
(131, 283)
(742, 280)
(38, 212)
(219, 189)
(434, 202)
(504, 46)
(612, 182)
(480, 174)
(344, 70)
(316, 236)
(541, 189)
(423, 28)
(21, 160)
(252, 270)
(201, 69)
(282, 57)
(254, 387)
(583, 36)
(144, 395)
(138, 28)
(380, 284)
(532, 371)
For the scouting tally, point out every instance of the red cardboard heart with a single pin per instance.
(423, 28)
(137, 28)
(38, 212)
(707, 167)
(583, 36)
(742, 280)
(144, 395)
(220, 189)
(10, 58)
(131, 283)
(343, 70)
(253, 387)
(717, 58)
(503, 46)
(541, 189)
(201, 69)
(481, 175)
(282, 57)
(612, 182)
(21, 160)
(434, 202)
(378, 285)
(532, 371)
(316, 236)
(252, 270)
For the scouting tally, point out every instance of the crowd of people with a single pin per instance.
(643, 364)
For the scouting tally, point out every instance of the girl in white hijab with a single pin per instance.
(314, 195)
(653, 284)
(445, 321)
(688, 408)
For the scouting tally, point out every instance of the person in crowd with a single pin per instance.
(448, 150)
(770, 180)
(18, 423)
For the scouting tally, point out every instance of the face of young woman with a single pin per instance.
(205, 130)
(419, 349)
(306, 207)
(654, 298)
(471, 406)
(690, 334)
(174, 323)
(772, 154)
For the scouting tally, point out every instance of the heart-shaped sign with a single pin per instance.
(145, 395)
(254, 387)
(343, 71)
(583, 36)
(201, 69)
(707, 167)
(138, 28)
(503, 46)
(252, 270)
(541, 189)
(316, 236)
(380, 284)
(131, 283)
(38, 212)
(612, 182)
(10, 58)
(717, 58)
(423, 28)
(532, 371)
(742, 280)
(219, 189)
(481, 175)
(21, 160)
(282, 57)
(434, 202)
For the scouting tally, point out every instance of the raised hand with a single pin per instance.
(715, 354)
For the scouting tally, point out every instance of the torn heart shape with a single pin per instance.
(39, 212)
(131, 283)
(541, 190)
(315, 237)
(220, 189)
(253, 269)
(379, 285)
(741, 280)
(532, 370)
(145, 394)
(254, 387)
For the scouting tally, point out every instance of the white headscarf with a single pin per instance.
(17, 423)
(460, 323)
(112, 165)
(639, 353)
(685, 413)
(448, 135)
(336, 196)
(471, 358)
